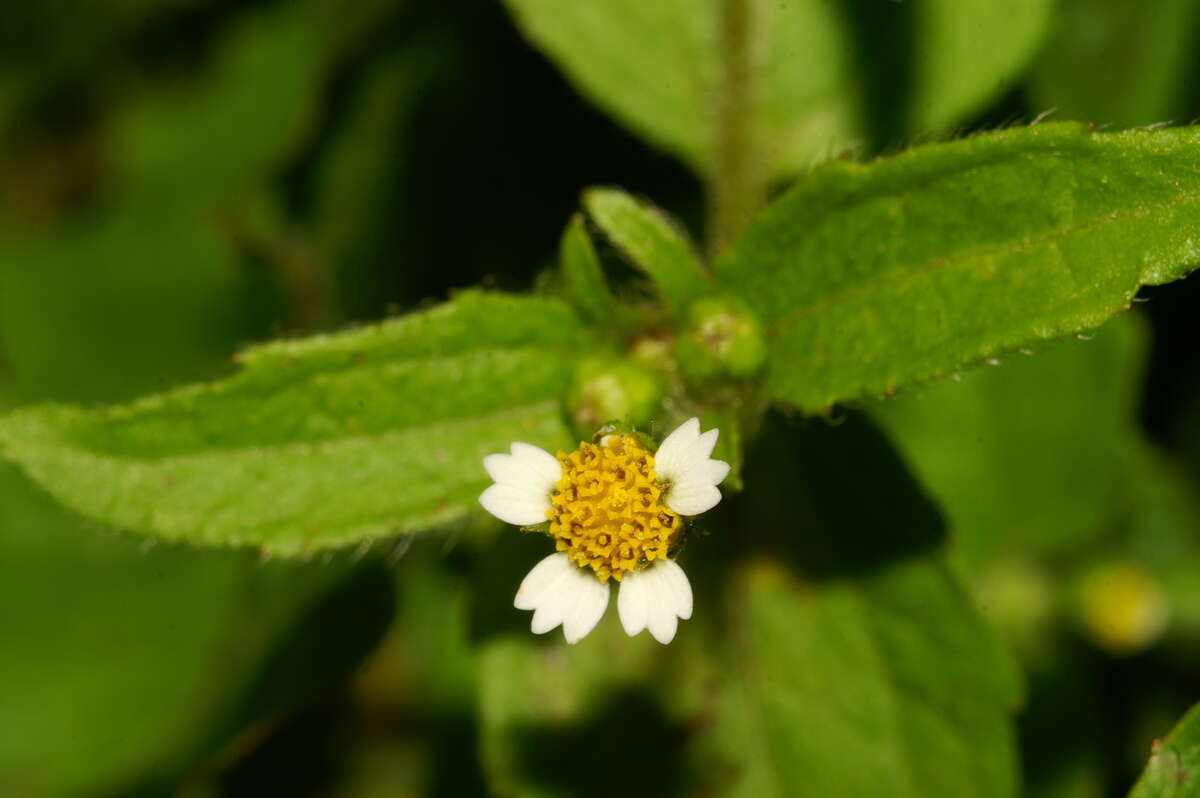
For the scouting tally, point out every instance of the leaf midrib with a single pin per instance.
(326, 446)
(907, 272)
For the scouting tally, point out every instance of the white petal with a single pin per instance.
(685, 457)
(681, 588)
(655, 598)
(541, 578)
(522, 506)
(702, 449)
(550, 614)
(590, 604)
(692, 498)
(711, 471)
(684, 460)
(632, 603)
(559, 592)
(539, 461)
(676, 445)
(527, 465)
(661, 620)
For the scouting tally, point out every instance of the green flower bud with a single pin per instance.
(611, 389)
(720, 339)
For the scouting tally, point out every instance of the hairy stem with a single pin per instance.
(736, 184)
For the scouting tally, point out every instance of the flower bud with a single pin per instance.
(720, 339)
(612, 389)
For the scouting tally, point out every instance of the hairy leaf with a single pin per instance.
(652, 243)
(870, 277)
(1174, 767)
(318, 442)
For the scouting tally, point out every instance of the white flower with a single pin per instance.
(615, 511)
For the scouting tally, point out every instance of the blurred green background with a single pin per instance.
(183, 177)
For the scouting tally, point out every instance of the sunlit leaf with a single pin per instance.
(319, 442)
(870, 277)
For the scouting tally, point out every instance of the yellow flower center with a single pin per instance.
(607, 511)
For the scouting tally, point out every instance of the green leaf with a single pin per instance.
(583, 274)
(652, 243)
(904, 649)
(1174, 767)
(228, 128)
(964, 54)
(319, 442)
(853, 656)
(360, 183)
(124, 666)
(546, 709)
(94, 290)
(814, 75)
(669, 88)
(870, 277)
(1119, 63)
(1035, 455)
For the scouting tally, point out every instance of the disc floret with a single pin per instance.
(607, 511)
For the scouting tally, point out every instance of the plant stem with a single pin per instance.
(736, 186)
